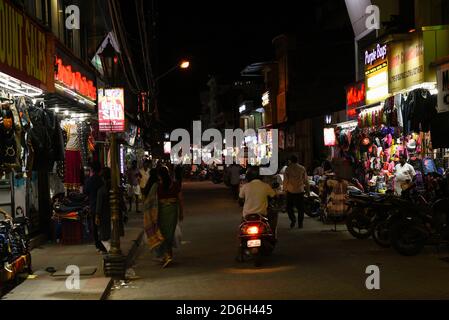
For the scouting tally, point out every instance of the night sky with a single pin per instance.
(220, 38)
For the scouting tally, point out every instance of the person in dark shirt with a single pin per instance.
(93, 184)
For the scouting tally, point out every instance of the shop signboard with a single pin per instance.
(111, 110)
(443, 87)
(406, 63)
(72, 75)
(355, 98)
(25, 48)
(376, 73)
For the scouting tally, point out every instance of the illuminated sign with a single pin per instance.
(111, 110)
(167, 147)
(379, 52)
(355, 98)
(376, 74)
(266, 99)
(74, 80)
(329, 137)
(23, 48)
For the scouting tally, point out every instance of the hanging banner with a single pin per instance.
(406, 63)
(376, 73)
(443, 87)
(111, 110)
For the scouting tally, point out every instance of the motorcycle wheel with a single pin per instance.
(408, 238)
(312, 209)
(381, 234)
(358, 224)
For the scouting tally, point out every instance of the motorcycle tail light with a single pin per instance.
(252, 230)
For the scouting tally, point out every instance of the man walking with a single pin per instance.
(93, 184)
(234, 175)
(296, 182)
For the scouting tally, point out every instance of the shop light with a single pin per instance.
(76, 96)
(66, 112)
(56, 109)
(19, 87)
(242, 108)
(260, 110)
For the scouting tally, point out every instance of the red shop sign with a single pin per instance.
(355, 97)
(74, 80)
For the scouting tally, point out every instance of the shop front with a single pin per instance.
(25, 125)
(396, 117)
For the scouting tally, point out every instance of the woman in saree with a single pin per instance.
(150, 211)
(170, 207)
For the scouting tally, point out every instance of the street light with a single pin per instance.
(114, 261)
(184, 64)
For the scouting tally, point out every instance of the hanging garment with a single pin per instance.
(8, 146)
(421, 109)
(72, 177)
(73, 139)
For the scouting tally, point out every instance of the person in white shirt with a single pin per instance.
(255, 194)
(404, 174)
(296, 183)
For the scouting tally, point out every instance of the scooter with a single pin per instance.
(256, 239)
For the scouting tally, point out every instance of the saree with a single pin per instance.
(168, 219)
(150, 218)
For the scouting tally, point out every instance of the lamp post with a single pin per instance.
(114, 261)
(183, 64)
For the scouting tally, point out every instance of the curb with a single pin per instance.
(130, 258)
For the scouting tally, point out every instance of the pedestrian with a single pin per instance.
(150, 211)
(170, 207)
(103, 209)
(234, 179)
(93, 184)
(404, 173)
(296, 183)
(133, 185)
(144, 174)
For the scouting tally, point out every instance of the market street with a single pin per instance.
(312, 263)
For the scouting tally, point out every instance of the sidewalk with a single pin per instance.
(93, 284)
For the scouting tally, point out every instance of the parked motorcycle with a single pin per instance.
(422, 224)
(217, 176)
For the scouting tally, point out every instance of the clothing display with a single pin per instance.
(72, 177)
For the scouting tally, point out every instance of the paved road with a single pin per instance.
(312, 263)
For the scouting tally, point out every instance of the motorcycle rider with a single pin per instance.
(254, 197)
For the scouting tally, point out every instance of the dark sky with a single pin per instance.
(220, 37)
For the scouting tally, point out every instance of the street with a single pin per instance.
(312, 263)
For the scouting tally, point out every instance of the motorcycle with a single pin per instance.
(422, 224)
(364, 209)
(14, 242)
(217, 177)
(256, 239)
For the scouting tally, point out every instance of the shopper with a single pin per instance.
(144, 174)
(133, 185)
(103, 209)
(404, 174)
(296, 183)
(170, 207)
(93, 184)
